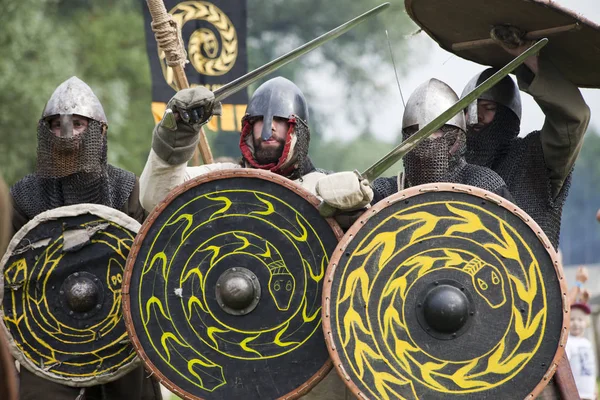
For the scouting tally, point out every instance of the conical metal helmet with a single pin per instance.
(427, 102)
(505, 93)
(74, 96)
(277, 97)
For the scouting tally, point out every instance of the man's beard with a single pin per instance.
(268, 154)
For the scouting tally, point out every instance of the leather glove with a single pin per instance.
(345, 191)
(176, 135)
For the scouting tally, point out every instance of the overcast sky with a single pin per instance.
(449, 68)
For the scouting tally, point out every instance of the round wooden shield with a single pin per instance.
(223, 288)
(61, 288)
(443, 292)
(574, 46)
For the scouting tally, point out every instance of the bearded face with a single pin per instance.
(267, 152)
(270, 150)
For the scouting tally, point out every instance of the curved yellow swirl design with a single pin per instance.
(192, 246)
(48, 337)
(379, 284)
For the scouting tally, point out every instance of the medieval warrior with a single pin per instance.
(536, 168)
(439, 158)
(72, 169)
(275, 137)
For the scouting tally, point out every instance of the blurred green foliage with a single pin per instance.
(44, 42)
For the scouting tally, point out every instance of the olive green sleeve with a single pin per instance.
(567, 118)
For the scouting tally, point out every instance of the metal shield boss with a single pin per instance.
(223, 288)
(61, 288)
(445, 291)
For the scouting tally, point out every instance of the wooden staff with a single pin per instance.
(533, 35)
(565, 380)
(168, 37)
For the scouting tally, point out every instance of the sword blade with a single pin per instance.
(403, 148)
(252, 76)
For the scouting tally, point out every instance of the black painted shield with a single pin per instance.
(61, 305)
(444, 292)
(224, 287)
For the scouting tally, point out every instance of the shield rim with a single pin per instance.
(105, 212)
(154, 214)
(438, 187)
(543, 4)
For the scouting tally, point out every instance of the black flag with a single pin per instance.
(214, 34)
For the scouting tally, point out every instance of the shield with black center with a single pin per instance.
(223, 288)
(445, 291)
(61, 288)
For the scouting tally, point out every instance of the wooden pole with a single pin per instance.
(565, 381)
(177, 62)
(533, 35)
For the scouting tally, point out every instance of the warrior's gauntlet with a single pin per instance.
(176, 135)
(345, 191)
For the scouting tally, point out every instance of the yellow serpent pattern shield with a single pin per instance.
(225, 285)
(445, 291)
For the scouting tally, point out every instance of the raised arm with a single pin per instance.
(173, 143)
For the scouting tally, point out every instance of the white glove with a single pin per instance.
(345, 191)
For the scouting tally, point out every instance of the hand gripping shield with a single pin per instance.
(574, 46)
(223, 288)
(445, 291)
(61, 295)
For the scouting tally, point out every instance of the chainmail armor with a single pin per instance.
(520, 162)
(34, 195)
(304, 163)
(435, 160)
(487, 147)
(58, 157)
(72, 171)
(383, 187)
(431, 161)
(525, 173)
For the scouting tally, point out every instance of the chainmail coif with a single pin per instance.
(441, 160)
(520, 162)
(72, 171)
(304, 163)
(487, 147)
(58, 157)
(435, 160)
